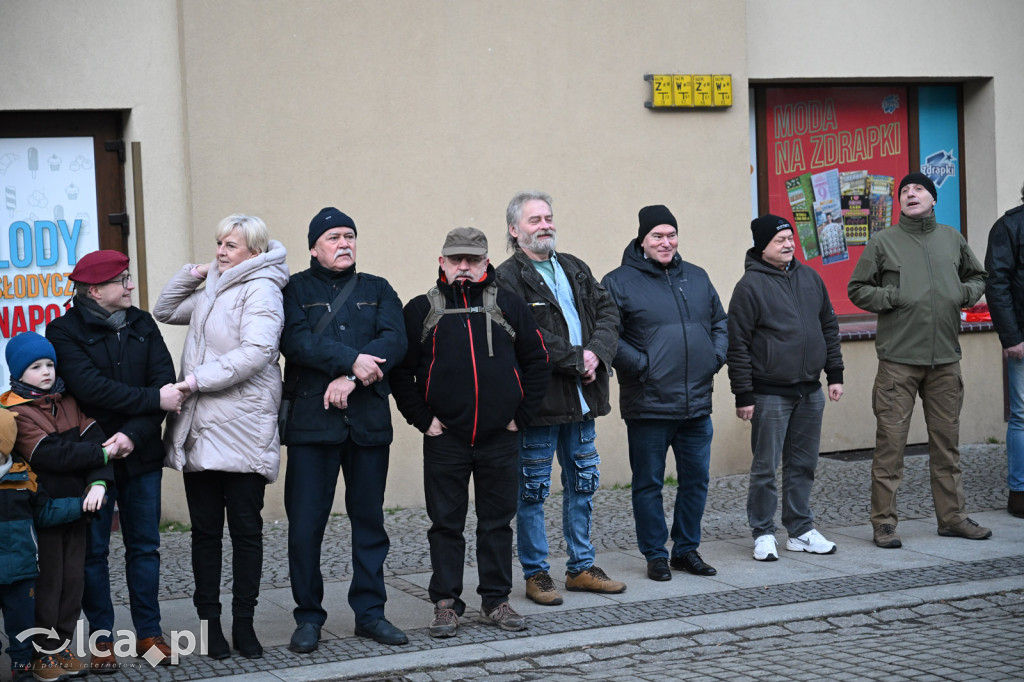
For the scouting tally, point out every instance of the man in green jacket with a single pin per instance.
(904, 276)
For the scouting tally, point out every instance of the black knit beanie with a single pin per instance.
(918, 179)
(326, 219)
(765, 228)
(651, 217)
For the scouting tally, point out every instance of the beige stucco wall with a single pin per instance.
(417, 117)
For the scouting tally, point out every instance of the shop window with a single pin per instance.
(829, 158)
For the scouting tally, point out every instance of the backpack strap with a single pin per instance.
(434, 315)
(493, 312)
(489, 308)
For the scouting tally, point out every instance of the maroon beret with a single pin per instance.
(99, 267)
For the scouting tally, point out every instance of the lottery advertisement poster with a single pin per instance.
(831, 153)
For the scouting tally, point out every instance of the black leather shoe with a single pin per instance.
(305, 639)
(382, 632)
(657, 569)
(691, 562)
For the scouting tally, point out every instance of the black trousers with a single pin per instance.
(209, 495)
(309, 486)
(494, 466)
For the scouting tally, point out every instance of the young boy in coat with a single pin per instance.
(63, 446)
(24, 505)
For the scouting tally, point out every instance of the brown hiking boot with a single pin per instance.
(72, 665)
(47, 668)
(886, 538)
(968, 528)
(541, 589)
(1015, 503)
(446, 621)
(504, 616)
(593, 579)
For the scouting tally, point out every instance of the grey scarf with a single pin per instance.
(116, 320)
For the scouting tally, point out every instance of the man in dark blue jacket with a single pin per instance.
(339, 418)
(672, 341)
(474, 375)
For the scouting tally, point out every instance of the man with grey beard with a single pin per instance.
(579, 323)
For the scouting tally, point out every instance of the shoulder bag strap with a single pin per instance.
(336, 304)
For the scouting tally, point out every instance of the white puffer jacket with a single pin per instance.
(235, 324)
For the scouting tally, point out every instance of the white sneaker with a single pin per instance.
(812, 541)
(764, 548)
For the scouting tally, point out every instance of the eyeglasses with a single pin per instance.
(123, 280)
(471, 260)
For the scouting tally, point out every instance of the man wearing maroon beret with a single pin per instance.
(114, 362)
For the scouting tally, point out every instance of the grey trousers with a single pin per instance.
(786, 430)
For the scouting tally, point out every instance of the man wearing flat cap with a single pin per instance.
(343, 333)
(578, 321)
(672, 342)
(115, 363)
(783, 333)
(916, 276)
(474, 376)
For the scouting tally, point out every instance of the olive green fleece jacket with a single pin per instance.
(917, 275)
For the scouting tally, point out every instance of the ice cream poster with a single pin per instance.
(49, 214)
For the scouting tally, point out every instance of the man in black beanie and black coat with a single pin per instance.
(338, 419)
(782, 333)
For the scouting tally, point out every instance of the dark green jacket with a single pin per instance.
(916, 276)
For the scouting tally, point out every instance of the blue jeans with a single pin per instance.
(577, 455)
(1015, 427)
(787, 430)
(138, 502)
(649, 440)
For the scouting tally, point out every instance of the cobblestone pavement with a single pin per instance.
(841, 498)
(964, 639)
(983, 628)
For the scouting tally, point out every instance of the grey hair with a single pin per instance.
(514, 212)
(252, 228)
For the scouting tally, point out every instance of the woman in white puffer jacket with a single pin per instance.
(225, 437)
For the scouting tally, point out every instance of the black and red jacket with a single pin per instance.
(449, 375)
